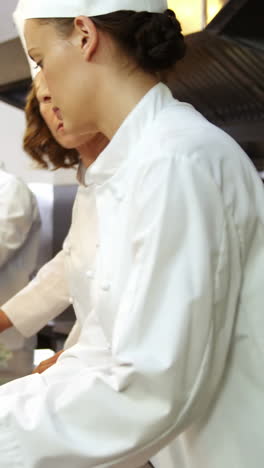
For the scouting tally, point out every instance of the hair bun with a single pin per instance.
(158, 40)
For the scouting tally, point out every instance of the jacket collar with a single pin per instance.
(128, 135)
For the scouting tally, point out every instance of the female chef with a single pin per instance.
(47, 142)
(171, 329)
(45, 137)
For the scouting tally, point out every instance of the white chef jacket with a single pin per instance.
(169, 293)
(43, 299)
(19, 242)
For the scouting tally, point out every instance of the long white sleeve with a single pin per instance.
(116, 406)
(43, 299)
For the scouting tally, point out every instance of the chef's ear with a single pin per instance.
(87, 36)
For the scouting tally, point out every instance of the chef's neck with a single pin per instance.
(120, 93)
(91, 150)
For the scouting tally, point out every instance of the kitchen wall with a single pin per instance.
(7, 28)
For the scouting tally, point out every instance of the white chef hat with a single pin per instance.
(20, 22)
(27, 9)
(73, 8)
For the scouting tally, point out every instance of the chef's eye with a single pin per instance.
(39, 64)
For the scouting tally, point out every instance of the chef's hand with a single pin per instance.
(44, 365)
(4, 322)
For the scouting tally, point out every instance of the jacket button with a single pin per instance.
(119, 197)
(90, 274)
(67, 250)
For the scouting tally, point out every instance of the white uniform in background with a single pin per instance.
(45, 297)
(168, 289)
(19, 243)
(19, 223)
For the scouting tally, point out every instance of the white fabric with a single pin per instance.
(19, 234)
(42, 300)
(20, 23)
(19, 243)
(73, 336)
(73, 8)
(168, 290)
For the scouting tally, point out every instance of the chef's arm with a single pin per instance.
(165, 354)
(43, 299)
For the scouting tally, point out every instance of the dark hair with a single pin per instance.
(40, 144)
(154, 40)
